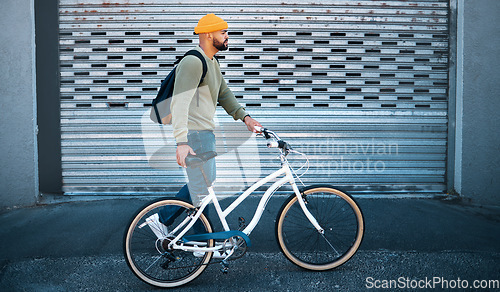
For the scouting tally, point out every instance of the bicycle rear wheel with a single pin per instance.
(336, 212)
(149, 257)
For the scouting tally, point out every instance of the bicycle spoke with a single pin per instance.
(327, 241)
(159, 257)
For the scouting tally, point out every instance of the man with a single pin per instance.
(193, 110)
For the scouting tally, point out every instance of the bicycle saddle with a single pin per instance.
(198, 159)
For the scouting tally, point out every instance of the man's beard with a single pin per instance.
(220, 46)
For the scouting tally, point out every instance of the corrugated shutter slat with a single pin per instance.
(361, 87)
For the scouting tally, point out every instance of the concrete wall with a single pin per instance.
(18, 147)
(478, 101)
(477, 142)
(47, 96)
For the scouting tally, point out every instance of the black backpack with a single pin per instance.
(160, 111)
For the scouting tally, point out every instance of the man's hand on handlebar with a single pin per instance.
(251, 124)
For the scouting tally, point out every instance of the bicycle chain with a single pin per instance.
(209, 263)
(240, 242)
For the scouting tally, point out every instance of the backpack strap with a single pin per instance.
(203, 62)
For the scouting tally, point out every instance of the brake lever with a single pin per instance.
(262, 131)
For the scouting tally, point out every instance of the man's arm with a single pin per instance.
(187, 78)
(228, 101)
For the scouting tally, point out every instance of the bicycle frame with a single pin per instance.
(288, 178)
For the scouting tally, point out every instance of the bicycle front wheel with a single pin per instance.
(338, 215)
(146, 246)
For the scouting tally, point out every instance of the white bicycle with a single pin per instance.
(317, 228)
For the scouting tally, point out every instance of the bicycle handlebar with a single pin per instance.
(278, 143)
(259, 129)
(284, 148)
(268, 134)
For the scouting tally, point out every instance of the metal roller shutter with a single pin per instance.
(361, 86)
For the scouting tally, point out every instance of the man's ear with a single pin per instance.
(204, 36)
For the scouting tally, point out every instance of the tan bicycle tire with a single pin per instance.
(129, 257)
(293, 203)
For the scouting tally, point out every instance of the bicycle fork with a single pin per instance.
(301, 201)
(309, 216)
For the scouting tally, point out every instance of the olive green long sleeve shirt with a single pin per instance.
(193, 108)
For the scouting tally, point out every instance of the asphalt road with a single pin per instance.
(408, 243)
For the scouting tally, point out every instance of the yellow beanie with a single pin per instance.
(210, 23)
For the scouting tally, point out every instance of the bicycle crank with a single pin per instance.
(237, 248)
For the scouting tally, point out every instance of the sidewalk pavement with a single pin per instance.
(77, 246)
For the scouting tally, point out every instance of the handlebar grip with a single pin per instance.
(263, 131)
(273, 144)
(278, 144)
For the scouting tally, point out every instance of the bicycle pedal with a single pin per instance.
(225, 267)
(165, 265)
(241, 223)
